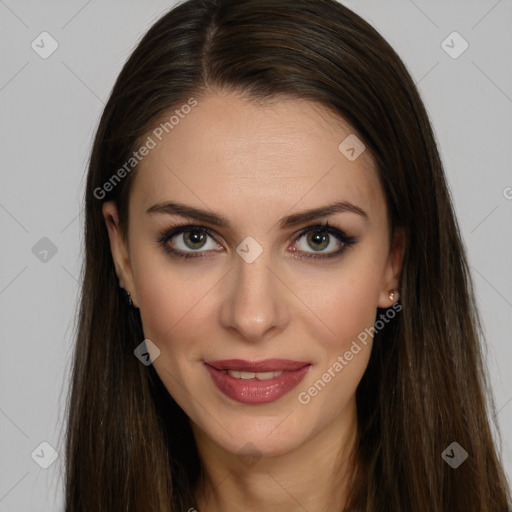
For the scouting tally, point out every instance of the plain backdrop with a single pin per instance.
(49, 109)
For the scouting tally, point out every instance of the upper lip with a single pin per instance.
(263, 365)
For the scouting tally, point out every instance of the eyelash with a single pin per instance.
(164, 236)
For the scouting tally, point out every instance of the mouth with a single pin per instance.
(256, 381)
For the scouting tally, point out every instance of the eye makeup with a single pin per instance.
(345, 241)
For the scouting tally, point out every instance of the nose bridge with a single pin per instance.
(253, 305)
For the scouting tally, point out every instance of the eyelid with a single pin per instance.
(178, 229)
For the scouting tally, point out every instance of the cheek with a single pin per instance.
(167, 306)
(344, 301)
(174, 303)
(347, 307)
(349, 311)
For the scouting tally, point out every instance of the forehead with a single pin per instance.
(229, 150)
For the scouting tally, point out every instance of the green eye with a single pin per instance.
(323, 236)
(191, 239)
(195, 237)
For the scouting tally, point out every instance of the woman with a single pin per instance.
(277, 312)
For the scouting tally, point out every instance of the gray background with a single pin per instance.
(49, 109)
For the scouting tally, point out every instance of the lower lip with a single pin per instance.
(253, 391)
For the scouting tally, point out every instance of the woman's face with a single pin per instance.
(250, 288)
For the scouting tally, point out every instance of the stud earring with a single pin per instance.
(394, 295)
(127, 297)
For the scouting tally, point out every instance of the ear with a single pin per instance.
(391, 276)
(119, 249)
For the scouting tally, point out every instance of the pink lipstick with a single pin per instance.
(258, 381)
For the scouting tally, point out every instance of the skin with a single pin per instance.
(255, 163)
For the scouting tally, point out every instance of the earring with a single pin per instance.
(127, 297)
(394, 295)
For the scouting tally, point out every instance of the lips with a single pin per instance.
(264, 365)
(256, 382)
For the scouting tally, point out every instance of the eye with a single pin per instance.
(191, 241)
(181, 240)
(322, 237)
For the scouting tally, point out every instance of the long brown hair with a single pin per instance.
(129, 446)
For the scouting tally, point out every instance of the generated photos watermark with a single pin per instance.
(304, 397)
(150, 143)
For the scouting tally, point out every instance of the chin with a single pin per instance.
(268, 439)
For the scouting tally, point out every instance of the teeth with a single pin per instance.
(251, 375)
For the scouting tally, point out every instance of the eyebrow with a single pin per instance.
(183, 210)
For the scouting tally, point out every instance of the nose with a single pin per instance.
(254, 305)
